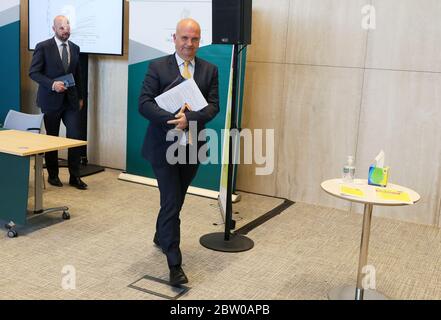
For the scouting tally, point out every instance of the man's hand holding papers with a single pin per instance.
(181, 120)
(181, 123)
(184, 97)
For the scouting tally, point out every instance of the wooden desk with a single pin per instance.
(16, 148)
(369, 199)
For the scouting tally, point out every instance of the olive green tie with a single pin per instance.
(186, 73)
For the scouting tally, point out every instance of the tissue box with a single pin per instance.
(378, 176)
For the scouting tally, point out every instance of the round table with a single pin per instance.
(369, 199)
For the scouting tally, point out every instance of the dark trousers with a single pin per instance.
(71, 119)
(173, 182)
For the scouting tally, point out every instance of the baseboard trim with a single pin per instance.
(192, 190)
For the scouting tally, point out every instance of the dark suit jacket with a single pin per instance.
(163, 73)
(46, 66)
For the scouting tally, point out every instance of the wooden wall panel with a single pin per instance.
(269, 30)
(262, 111)
(326, 32)
(107, 122)
(407, 35)
(319, 121)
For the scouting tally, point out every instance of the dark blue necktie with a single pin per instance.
(64, 57)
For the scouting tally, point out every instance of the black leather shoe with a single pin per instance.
(177, 276)
(77, 183)
(54, 181)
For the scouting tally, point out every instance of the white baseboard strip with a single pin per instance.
(192, 190)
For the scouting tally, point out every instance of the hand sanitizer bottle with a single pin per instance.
(349, 170)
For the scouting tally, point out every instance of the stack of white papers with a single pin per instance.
(186, 92)
(174, 99)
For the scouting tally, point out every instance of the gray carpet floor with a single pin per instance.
(300, 254)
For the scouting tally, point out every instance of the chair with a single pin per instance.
(24, 122)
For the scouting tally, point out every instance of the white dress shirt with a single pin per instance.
(180, 62)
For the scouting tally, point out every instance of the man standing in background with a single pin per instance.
(52, 59)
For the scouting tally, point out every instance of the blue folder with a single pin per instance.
(68, 80)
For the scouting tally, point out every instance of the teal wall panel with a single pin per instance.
(9, 68)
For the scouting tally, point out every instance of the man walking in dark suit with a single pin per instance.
(53, 59)
(174, 179)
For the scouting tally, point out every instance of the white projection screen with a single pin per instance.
(96, 25)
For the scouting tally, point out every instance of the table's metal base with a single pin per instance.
(11, 226)
(348, 293)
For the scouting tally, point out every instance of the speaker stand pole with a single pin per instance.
(227, 241)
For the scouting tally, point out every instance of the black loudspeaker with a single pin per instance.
(231, 21)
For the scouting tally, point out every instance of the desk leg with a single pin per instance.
(38, 180)
(347, 292)
(38, 204)
(367, 218)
